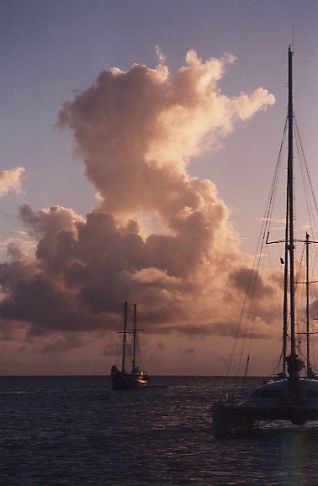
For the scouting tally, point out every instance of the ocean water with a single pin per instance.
(77, 431)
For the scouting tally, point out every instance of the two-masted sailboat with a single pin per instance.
(135, 378)
(291, 395)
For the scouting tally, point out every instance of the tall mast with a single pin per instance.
(285, 306)
(290, 210)
(134, 338)
(307, 305)
(124, 338)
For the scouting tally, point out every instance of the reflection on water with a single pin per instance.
(76, 430)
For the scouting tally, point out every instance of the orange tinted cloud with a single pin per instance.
(10, 180)
(137, 132)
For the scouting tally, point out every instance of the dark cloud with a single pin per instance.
(63, 344)
(188, 351)
(250, 282)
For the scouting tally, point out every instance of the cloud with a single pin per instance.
(223, 328)
(10, 180)
(62, 344)
(137, 132)
(188, 351)
(249, 281)
(19, 242)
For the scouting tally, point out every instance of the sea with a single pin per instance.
(78, 431)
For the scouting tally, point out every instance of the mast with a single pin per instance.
(290, 211)
(124, 338)
(294, 364)
(134, 338)
(245, 371)
(285, 306)
(307, 305)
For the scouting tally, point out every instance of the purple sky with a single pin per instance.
(53, 51)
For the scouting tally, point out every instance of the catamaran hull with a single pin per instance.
(235, 418)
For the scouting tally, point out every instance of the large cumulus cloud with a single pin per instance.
(158, 236)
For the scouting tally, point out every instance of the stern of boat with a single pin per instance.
(230, 419)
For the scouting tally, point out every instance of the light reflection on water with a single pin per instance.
(76, 430)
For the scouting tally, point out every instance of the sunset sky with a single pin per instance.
(138, 144)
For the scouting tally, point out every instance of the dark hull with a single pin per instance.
(128, 381)
(232, 418)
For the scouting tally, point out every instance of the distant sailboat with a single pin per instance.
(136, 378)
(292, 394)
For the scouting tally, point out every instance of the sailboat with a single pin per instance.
(135, 378)
(292, 394)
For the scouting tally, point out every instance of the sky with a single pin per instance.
(138, 143)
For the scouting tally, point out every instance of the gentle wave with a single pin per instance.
(77, 431)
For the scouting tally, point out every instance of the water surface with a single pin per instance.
(77, 431)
